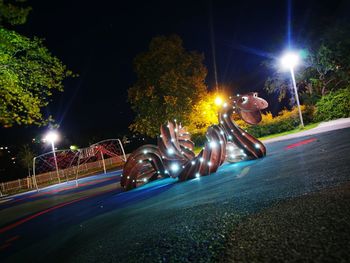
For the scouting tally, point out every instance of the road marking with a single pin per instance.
(12, 239)
(26, 219)
(6, 245)
(290, 146)
(244, 172)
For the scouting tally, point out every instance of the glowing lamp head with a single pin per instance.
(289, 60)
(218, 101)
(51, 137)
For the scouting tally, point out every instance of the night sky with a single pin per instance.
(99, 39)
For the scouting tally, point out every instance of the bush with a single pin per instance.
(285, 121)
(333, 105)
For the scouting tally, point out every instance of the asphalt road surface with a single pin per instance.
(292, 205)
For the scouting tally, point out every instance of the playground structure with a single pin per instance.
(174, 157)
(71, 165)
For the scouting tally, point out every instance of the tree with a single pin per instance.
(170, 80)
(25, 157)
(29, 73)
(204, 113)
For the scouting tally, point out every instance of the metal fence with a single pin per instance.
(65, 175)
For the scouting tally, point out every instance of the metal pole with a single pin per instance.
(103, 161)
(34, 176)
(77, 171)
(296, 96)
(121, 146)
(54, 156)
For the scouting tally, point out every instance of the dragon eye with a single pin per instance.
(255, 95)
(245, 99)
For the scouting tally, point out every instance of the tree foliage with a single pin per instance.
(334, 105)
(170, 80)
(204, 114)
(13, 14)
(29, 73)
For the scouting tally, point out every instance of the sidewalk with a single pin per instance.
(322, 127)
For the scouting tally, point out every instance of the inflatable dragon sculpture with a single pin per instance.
(174, 157)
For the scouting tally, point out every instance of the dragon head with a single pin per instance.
(248, 107)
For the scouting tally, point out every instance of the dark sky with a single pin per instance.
(99, 39)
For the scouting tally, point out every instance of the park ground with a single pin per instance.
(292, 205)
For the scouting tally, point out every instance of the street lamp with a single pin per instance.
(218, 101)
(52, 137)
(288, 61)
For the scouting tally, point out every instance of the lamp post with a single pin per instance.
(52, 137)
(289, 61)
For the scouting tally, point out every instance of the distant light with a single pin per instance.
(145, 180)
(144, 151)
(174, 167)
(225, 105)
(225, 115)
(289, 60)
(209, 163)
(193, 162)
(73, 147)
(140, 161)
(257, 145)
(201, 159)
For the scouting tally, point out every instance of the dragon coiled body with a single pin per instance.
(174, 157)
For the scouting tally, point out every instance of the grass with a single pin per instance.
(299, 129)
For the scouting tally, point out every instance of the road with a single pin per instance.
(194, 220)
